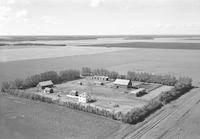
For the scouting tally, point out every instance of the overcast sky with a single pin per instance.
(91, 17)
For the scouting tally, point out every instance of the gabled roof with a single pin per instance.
(46, 83)
(121, 82)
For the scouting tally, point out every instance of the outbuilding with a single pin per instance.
(48, 90)
(44, 84)
(123, 83)
(74, 93)
(103, 78)
(138, 92)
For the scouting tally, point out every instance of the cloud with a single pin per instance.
(4, 12)
(96, 3)
(21, 14)
(51, 20)
(10, 2)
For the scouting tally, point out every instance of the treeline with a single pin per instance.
(32, 81)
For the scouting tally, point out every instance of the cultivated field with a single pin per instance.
(22, 119)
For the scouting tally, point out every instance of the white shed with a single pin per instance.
(138, 92)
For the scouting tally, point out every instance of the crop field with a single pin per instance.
(22, 119)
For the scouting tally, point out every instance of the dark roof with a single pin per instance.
(45, 83)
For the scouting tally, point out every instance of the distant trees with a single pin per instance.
(68, 75)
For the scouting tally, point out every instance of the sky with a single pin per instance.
(99, 17)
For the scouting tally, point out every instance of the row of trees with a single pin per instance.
(32, 81)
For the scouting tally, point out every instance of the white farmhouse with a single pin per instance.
(84, 97)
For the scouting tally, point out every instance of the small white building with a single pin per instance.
(138, 92)
(84, 97)
(48, 90)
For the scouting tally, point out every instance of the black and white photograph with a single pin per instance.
(99, 69)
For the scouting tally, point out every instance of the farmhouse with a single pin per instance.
(84, 97)
(103, 78)
(123, 83)
(44, 84)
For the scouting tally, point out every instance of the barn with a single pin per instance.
(123, 83)
(44, 84)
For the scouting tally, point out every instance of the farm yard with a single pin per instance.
(106, 95)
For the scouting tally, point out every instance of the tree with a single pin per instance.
(50, 75)
(86, 71)
(5, 86)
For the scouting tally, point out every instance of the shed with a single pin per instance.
(74, 93)
(138, 92)
(44, 84)
(123, 83)
(48, 90)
